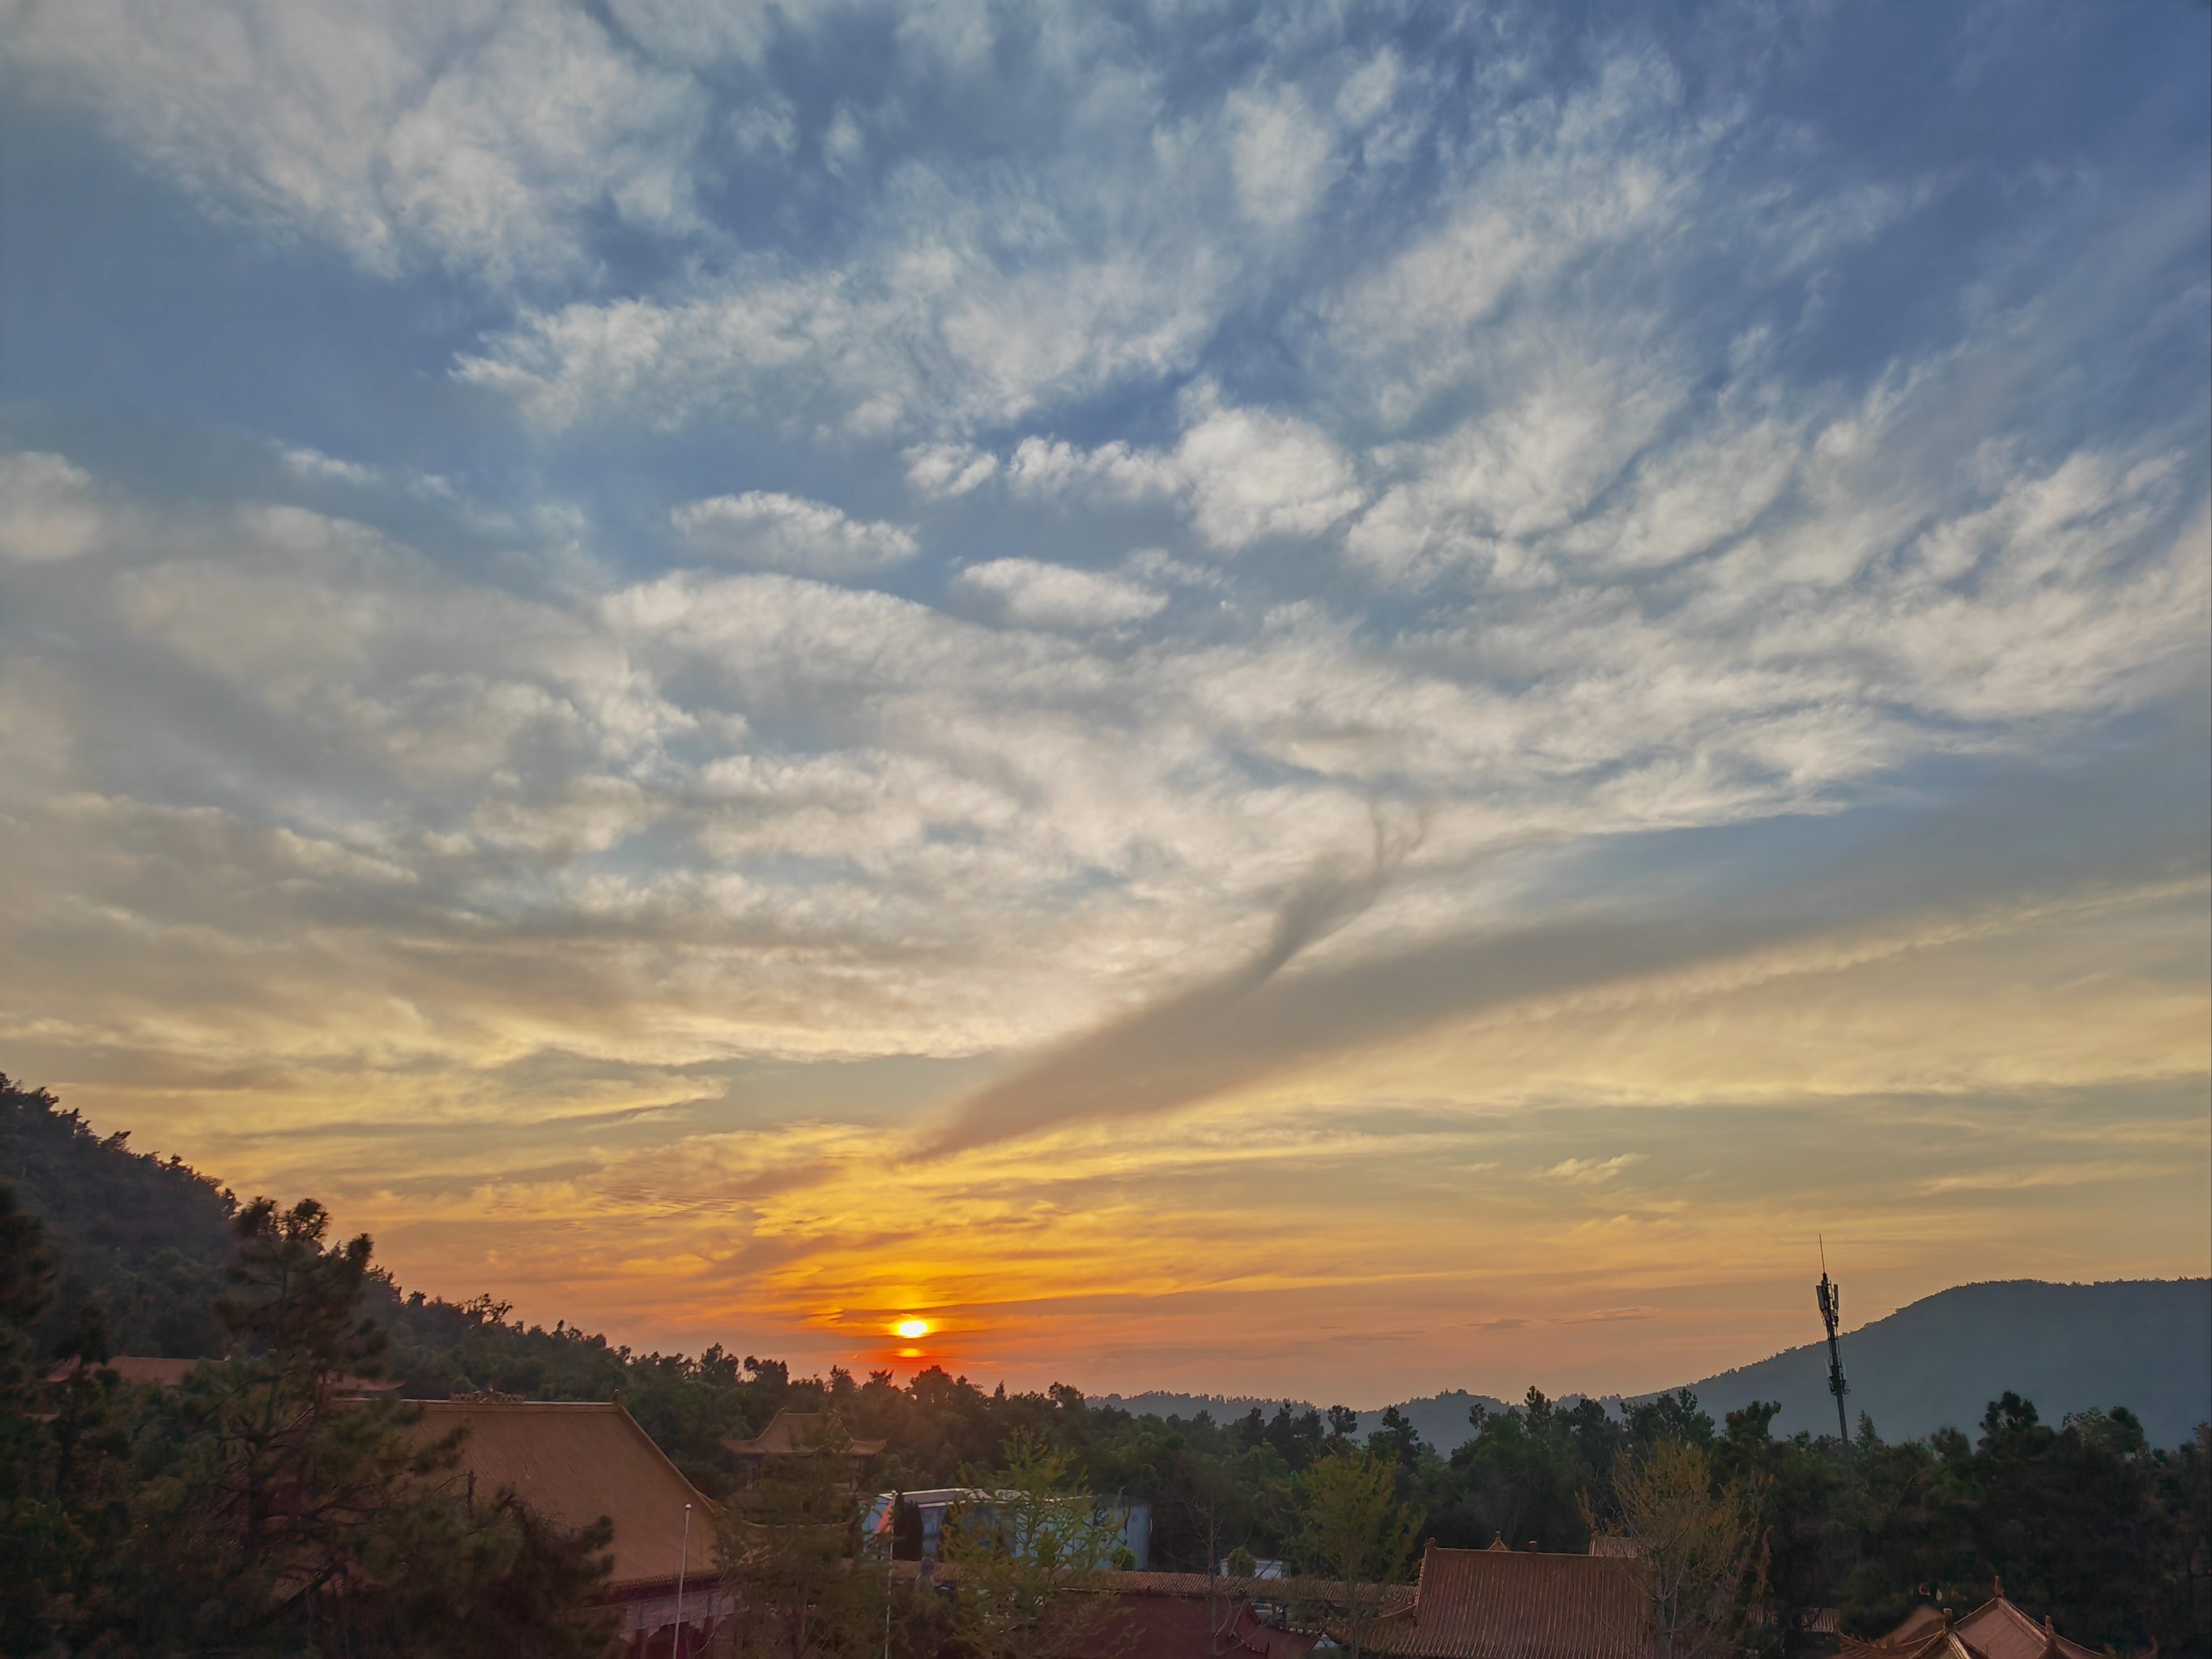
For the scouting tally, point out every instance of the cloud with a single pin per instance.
(1370, 90)
(1170, 1052)
(1253, 474)
(1243, 474)
(1048, 260)
(1607, 165)
(1048, 467)
(1280, 157)
(700, 36)
(2016, 1178)
(46, 507)
(1593, 1171)
(478, 137)
(313, 464)
(930, 337)
(879, 827)
(972, 290)
(1156, 564)
(940, 471)
(1257, 1021)
(1040, 595)
(789, 532)
(1531, 466)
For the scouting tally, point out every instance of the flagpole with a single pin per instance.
(682, 1565)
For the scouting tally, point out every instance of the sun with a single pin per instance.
(911, 1328)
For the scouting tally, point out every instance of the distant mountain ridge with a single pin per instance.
(1440, 1418)
(2145, 1344)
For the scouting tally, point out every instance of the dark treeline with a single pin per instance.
(2081, 1520)
(259, 1509)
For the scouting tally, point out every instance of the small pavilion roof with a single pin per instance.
(1995, 1630)
(790, 1434)
(1998, 1630)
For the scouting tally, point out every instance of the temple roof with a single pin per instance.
(131, 1368)
(1142, 1627)
(1197, 1586)
(1189, 1615)
(1510, 1604)
(575, 1462)
(171, 1374)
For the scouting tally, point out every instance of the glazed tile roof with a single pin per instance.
(172, 1373)
(1995, 1630)
(1169, 1615)
(1940, 1642)
(574, 1462)
(132, 1368)
(1195, 1586)
(1251, 1634)
(1508, 1604)
(1172, 1627)
(1919, 1625)
(1999, 1629)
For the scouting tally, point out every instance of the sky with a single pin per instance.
(1297, 699)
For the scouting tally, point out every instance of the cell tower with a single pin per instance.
(1832, 1315)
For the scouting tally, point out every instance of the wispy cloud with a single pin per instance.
(788, 532)
(1055, 596)
(46, 510)
(477, 138)
(2097, 1172)
(1593, 1171)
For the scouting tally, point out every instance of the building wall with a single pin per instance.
(1136, 1518)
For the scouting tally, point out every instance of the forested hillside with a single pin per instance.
(140, 1239)
(117, 1251)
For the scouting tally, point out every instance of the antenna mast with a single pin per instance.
(1831, 1302)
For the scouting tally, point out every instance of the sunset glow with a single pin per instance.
(913, 1329)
